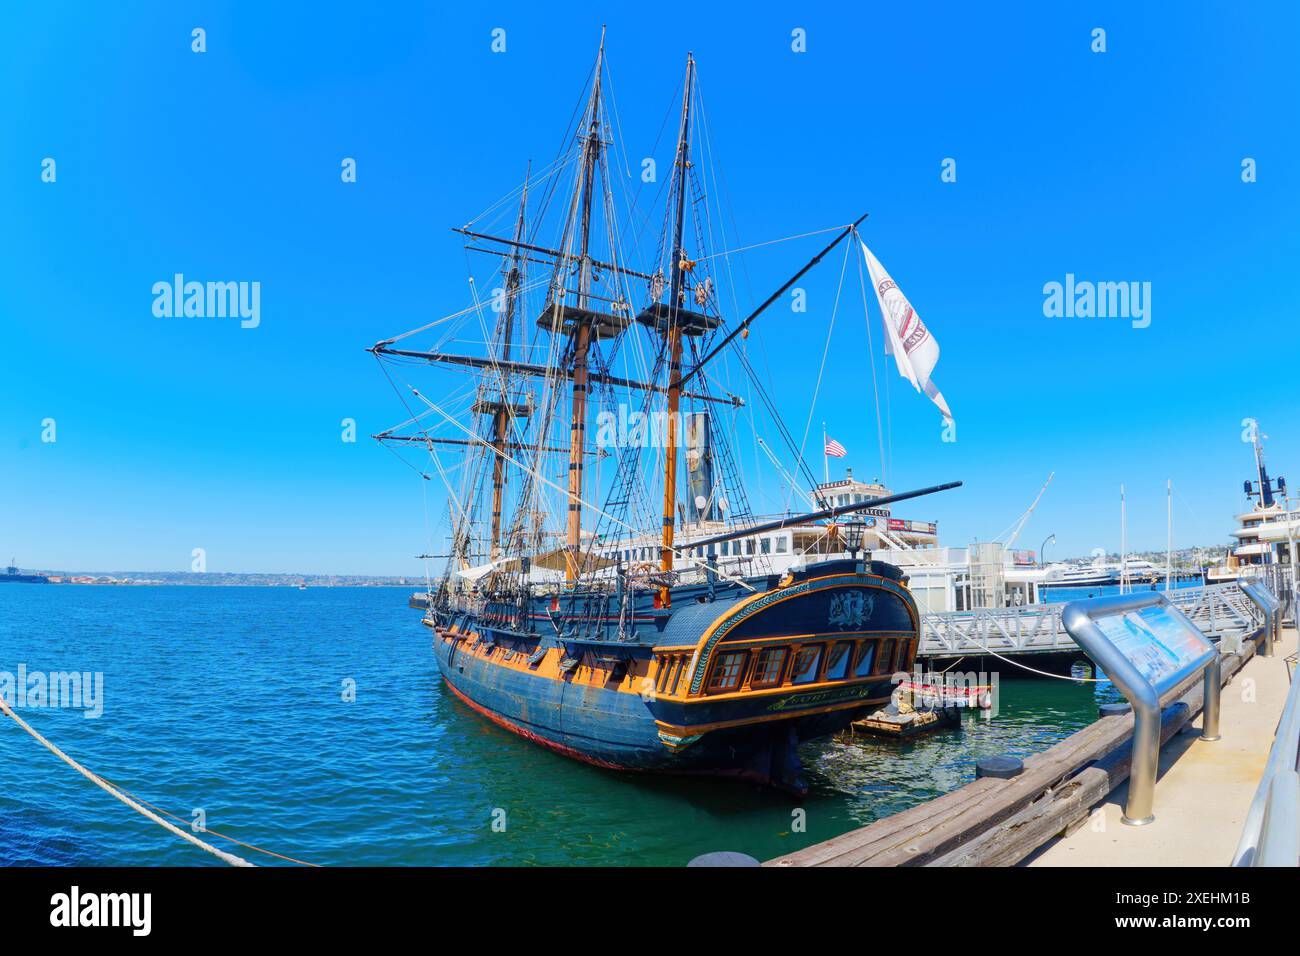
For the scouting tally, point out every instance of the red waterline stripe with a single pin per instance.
(535, 738)
(736, 772)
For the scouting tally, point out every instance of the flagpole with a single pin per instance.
(826, 461)
(1169, 540)
(1123, 542)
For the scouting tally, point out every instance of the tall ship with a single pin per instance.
(1266, 532)
(609, 591)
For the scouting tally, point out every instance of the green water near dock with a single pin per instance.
(228, 699)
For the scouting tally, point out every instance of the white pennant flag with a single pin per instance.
(906, 337)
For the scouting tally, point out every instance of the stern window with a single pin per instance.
(886, 660)
(837, 664)
(865, 659)
(727, 672)
(771, 663)
(805, 665)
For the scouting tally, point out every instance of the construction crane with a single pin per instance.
(1019, 525)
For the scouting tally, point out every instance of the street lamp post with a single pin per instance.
(1042, 558)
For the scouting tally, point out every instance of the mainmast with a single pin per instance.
(583, 330)
(674, 332)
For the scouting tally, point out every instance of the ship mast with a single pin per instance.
(582, 333)
(678, 262)
(501, 411)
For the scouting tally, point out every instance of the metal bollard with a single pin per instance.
(1210, 700)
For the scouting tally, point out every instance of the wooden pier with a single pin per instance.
(999, 822)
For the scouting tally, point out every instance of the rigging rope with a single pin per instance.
(821, 370)
(871, 360)
(586, 504)
(769, 242)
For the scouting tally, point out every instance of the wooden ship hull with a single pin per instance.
(726, 686)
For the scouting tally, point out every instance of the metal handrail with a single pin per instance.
(1271, 834)
(1258, 592)
(1221, 611)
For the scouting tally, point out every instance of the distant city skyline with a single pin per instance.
(1020, 183)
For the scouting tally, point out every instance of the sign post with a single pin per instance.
(1146, 646)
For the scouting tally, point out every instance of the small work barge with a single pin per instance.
(901, 726)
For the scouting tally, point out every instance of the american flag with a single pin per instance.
(834, 449)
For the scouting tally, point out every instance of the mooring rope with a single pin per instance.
(1034, 670)
(224, 836)
(113, 791)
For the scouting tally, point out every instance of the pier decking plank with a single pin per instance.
(924, 834)
(1009, 842)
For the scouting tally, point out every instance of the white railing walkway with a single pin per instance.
(1220, 611)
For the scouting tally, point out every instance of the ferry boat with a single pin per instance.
(1097, 574)
(648, 619)
(1101, 573)
(1266, 533)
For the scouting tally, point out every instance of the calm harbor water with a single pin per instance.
(1062, 595)
(231, 701)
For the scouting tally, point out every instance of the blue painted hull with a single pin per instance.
(750, 735)
(620, 730)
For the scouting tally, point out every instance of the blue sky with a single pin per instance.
(181, 433)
